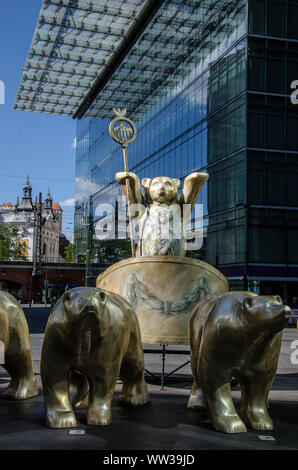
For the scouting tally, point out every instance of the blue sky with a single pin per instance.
(40, 145)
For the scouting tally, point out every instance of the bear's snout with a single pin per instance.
(282, 311)
(287, 312)
(281, 315)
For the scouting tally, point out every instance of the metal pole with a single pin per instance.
(124, 135)
(37, 267)
(30, 290)
(163, 367)
(128, 204)
(46, 289)
(89, 241)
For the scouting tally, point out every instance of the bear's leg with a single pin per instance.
(134, 391)
(78, 390)
(218, 399)
(254, 396)
(101, 389)
(196, 399)
(55, 381)
(103, 373)
(23, 384)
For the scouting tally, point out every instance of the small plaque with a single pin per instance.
(267, 438)
(77, 431)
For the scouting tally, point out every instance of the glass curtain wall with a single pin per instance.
(198, 125)
(272, 132)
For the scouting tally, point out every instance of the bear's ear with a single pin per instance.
(102, 297)
(176, 182)
(67, 300)
(278, 299)
(146, 183)
(248, 302)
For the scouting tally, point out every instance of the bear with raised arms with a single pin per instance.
(236, 334)
(161, 216)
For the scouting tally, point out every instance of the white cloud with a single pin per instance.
(74, 144)
(68, 202)
(84, 187)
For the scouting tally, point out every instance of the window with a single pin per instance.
(272, 65)
(226, 184)
(291, 182)
(292, 19)
(255, 127)
(257, 16)
(272, 123)
(266, 245)
(292, 130)
(225, 238)
(276, 17)
(275, 82)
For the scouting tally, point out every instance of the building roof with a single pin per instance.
(89, 56)
(56, 206)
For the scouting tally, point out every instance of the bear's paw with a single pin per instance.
(229, 424)
(262, 425)
(196, 401)
(61, 419)
(21, 391)
(99, 417)
(134, 395)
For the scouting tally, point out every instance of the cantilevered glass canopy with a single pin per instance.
(72, 43)
(88, 56)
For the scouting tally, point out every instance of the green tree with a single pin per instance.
(82, 259)
(68, 252)
(9, 242)
(198, 254)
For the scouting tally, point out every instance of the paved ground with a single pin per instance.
(153, 362)
(165, 423)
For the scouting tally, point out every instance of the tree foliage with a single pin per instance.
(9, 243)
(69, 255)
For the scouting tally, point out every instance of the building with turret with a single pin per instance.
(39, 224)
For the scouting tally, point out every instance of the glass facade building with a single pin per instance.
(208, 85)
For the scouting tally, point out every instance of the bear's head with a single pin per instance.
(266, 313)
(84, 304)
(161, 189)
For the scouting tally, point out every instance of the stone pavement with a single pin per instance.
(153, 362)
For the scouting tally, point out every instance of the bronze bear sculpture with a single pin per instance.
(14, 334)
(160, 214)
(91, 338)
(236, 334)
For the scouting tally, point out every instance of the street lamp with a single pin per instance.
(89, 226)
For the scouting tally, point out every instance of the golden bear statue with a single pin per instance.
(161, 215)
(236, 334)
(91, 338)
(18, 361)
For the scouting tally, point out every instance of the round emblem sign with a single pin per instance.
(122, 129)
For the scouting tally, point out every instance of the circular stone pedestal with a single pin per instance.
(163, 291)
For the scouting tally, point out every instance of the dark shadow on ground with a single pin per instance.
(164, 423)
